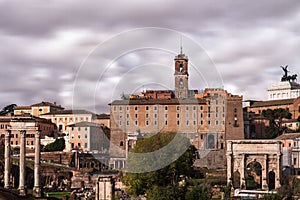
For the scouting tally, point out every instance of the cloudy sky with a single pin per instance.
(55, 50)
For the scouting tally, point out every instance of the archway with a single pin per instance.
(236, 179)
(271, 180)
(253, 175)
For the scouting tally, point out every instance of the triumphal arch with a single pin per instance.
(258, 159)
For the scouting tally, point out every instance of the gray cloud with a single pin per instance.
(43, 44)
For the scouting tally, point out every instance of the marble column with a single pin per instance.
(264, 173)
(229, 169)
(7, 160)
(22, 191)
(243, 179)
(278, 171)
(37, 155)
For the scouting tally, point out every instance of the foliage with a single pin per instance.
(57, 145)
(272, 197)
(165, 193)
(199, 192)
(227, 190)
(167, 178)
(275, 118)
(8, 109)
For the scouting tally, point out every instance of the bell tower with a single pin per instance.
(181, 75)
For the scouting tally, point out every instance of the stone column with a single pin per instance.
(243, 180)
(264, 174)
(22, 191)
(7, 160)
(229, 168)
(37, 155)
(278, 172)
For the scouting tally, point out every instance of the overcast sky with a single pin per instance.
(45, 44)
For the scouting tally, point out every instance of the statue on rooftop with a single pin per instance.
(287, 77)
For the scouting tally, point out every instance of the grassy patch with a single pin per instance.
(58, 195)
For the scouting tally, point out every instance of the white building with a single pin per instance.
(284, 90)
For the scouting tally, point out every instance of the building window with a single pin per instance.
(147, 107)
(147, 123)
(155, 122)
(127, 115)
(222, 146)
(177, 115)
(166, 115)
(136, 115)
(201, 122)
(85, 135)
(85, 145)
(217, 102)
(201, 115)
(177, 108)
(201, 107)
(155, 107)
(78, 128)
(72, 145)
(295, 161)
(187, 115)
(120, 116)
(194, 122)
(85, 129)
(208, 114)
(155, 115)
(187, 122)
(127, 123)
(166, 107)
(120, 123)
(147, 115)
(127, 107)
(235, 110)
(16, 142)
(120, 107)
(166, 122)
(136, 123)
(115, 108)
(194, 107)
(208, 102)
(187, 108)
(135, 108)
(78, 136)
(177, 123)
(217, 122)
(208, 122)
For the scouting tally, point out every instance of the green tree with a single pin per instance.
(8, 109)
(275, 118)
(57, 145)
(165, 178)
(199, 192)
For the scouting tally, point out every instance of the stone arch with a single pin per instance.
(244, 154)
(254, 175)
(271, 180)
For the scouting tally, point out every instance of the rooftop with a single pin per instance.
(288, 136)
(69, 112)
(158, 101)
(44, 103)
(272, 103)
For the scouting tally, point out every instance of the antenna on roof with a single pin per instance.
(181, 44)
